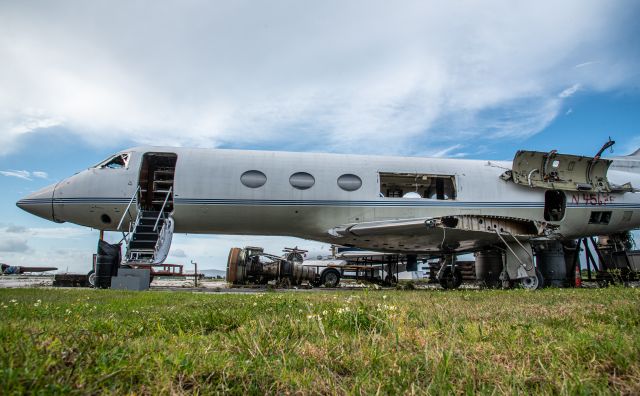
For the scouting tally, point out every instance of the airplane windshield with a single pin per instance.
(119, 161)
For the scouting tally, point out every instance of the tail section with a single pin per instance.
(628, 163)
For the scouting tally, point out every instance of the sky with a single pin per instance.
(80, 80)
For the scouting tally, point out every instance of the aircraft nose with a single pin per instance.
(40, 203)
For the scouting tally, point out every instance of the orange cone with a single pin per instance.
(578, 277)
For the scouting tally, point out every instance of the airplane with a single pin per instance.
(6, 269)
(405, 205)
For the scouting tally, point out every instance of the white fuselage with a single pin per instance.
(209, 196)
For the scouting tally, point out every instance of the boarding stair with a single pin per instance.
(149, 236)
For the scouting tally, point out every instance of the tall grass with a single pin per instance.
(428, 342)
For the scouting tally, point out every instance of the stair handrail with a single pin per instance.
(126, 212)
(155, 226)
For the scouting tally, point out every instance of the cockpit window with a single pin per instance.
(119, 161)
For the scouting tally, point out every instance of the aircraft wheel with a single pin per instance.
(449, 279)
(533, 282)
(330, 278)
(92, 278)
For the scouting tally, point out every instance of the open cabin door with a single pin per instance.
(156, 181)
(150, 236)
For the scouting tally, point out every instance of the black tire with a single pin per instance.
(330, 278)
(390, 280)
(450, 280)
(533, 282)
(91, 278)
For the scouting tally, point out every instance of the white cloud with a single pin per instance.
(446, 151)
(40, 174)
(24, 174)
(57, 232)
(584, 64)
(569, 91)
(178, 253)
(20, 174)
(14, 245)
(325, 75)
(16, 229)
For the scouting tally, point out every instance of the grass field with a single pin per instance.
(90, 341)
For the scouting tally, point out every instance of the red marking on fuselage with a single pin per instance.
(592, 199)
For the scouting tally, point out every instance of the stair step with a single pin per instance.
(135, 245)
(150, 213)
(148, 227)
(141, 251)
(145, 233)
(145, 238)
(151, 217)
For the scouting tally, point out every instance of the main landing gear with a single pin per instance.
(532, 282)
(516, 269)
(449, 275)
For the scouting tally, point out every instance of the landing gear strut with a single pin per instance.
(449, 275)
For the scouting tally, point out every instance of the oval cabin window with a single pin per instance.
(302, 180)
(253, 179)
(349, 182)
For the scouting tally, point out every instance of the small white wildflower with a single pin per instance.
(255, 304)
(325, 313)
(68, 311)
(384, 297)
(13, 300)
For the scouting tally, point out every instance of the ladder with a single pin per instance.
(149, 237)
